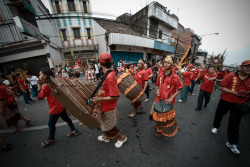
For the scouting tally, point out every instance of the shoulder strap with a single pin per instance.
(99, 85)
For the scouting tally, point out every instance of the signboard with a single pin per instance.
(27, 28)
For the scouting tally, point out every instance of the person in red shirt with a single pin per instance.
(141, 77)
(108, 99)
(193, 80)
(150, 75)
(56, 109)
(235, 89)
(186, 82)
(168, 86)
(206, 88)
(23, 83)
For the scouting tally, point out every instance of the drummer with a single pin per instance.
(109, 97)
(168, 86)
(141, 77)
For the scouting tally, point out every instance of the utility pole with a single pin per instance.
(176, 46)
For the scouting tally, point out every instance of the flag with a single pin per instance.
(224, 52)
(187, 57)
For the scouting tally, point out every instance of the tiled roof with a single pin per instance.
(116, 27)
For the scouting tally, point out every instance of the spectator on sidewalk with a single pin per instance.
(186, 83)
(97, 72)
(64, 73)
(235, 89)
(33, 84)
(206, 88)
(56, 109)
(23, 83)
(90, 74)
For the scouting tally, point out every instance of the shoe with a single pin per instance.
(119, 143)
(180, 101)
(146, 100)
(214, 131)
(100, 138)
(233, 148)
(197, 109)
(205, 105)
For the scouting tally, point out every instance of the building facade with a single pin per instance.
(25, 31)
(75, 25)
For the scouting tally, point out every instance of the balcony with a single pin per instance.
(157, 12)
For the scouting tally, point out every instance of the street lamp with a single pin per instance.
(210, 34)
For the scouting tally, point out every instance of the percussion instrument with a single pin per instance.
(164, 116)
(74, 97)
(128, 86)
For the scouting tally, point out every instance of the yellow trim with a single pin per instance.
(124, 75)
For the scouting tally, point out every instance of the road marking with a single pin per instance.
(39, 127)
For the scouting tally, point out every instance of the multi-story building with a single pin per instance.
(74, 20)
(26, 36)
(183, 38)
(146, 34)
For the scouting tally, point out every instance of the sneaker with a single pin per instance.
(119, 143)
(100, 138)
(214, 131)
(233, 148)
(180, 101)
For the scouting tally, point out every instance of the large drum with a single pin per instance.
(128, 86)
(164, 116)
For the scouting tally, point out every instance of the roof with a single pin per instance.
(117, 27)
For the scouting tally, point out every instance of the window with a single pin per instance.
(88, 32)
(85, 7)
(71, 5)
(160, 34)
(76, 32)
(58, 7)
(64, 35)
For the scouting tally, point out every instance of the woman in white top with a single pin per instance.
(64, 73)
(33, 84)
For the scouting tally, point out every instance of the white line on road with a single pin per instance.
(39, 127)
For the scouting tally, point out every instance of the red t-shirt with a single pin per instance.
(187, 78)
(141, 77)
(233, 82)
(55, 106)
(207, 85)
(109, 88)
(3, 92)
(170, 84)
(149, 71)
(23, 83)
(195, 74)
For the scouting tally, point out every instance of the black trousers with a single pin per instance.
(234, 119)
(203, 94)
(147, 91)
(52, 122)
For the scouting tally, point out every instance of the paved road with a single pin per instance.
(193, 145)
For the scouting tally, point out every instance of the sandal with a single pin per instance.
(73, 133)
(48, 142)
(103, 138)
(15, 130)
(158, 134)
(28, 121)
(131, 115)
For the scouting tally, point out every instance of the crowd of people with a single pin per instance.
(164, 74)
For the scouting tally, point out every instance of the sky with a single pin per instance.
(229, 18)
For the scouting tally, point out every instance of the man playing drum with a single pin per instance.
(168, 86)
(141, 77)
(109, 97)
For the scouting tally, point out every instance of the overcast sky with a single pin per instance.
(229, 18)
